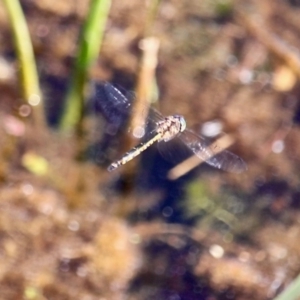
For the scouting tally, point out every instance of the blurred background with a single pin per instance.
(151, 229)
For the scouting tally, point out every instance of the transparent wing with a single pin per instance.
(117, 108)
(174, 151)
(113, 105)
(214, 156)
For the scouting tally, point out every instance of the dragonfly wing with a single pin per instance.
(117, 108)
(174, 150)
(228, 161)
(155, 116)
(113, 105)
(214, 156)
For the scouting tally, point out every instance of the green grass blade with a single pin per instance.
(28, 69)
(292, 292)
(151, 16)
(89, 45)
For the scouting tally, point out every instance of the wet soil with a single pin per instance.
(71, 230)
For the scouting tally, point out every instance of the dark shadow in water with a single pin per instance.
(55, 91)
(152, 176)
(169, 273)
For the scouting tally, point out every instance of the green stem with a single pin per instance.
(90, 43)
(28, 69)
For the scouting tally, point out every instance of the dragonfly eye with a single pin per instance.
(182, 123)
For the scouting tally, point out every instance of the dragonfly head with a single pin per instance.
(181, 122)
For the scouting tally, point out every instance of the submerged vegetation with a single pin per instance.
(72, 230)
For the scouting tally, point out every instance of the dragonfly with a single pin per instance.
(115, 107)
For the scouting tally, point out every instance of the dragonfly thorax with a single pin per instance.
(170, 127)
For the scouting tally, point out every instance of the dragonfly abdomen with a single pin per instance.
(133, 153)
